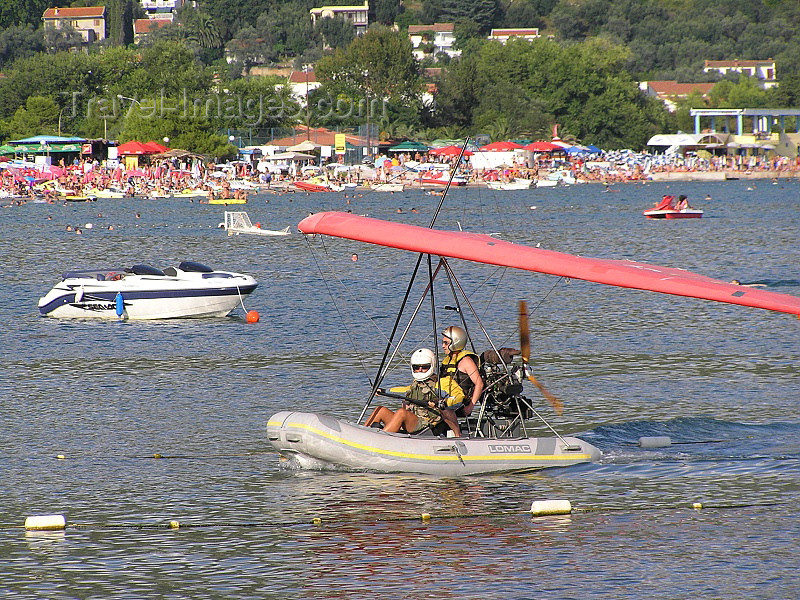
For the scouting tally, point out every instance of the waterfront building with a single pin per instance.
(430, 40)
(89, 21)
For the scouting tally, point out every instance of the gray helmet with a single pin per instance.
(457, 337)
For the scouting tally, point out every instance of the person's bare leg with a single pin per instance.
(380, 414)
(402, 418)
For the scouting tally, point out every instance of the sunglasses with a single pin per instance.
(420, 367)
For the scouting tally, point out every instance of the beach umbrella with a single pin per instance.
(593, 149)
(449, 151)
(304, 146)
(409, 146)
(6, 150)
(542, 147)
(501, 147)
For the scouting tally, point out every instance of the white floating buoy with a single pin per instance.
(45, 522)
(661, 441)
(551, 507)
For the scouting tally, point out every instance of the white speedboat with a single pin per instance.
(143, 292)
(517, 184)
(387, 187)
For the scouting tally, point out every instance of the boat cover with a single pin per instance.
(486, 249)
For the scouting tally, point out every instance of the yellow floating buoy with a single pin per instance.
(316, 521)
(157, 456)
(426, 516)
(174, 525)
(60, 456)
(697, 505)
(45, 523)
(253, 316)
(551, 507)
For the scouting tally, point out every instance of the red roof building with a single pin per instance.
(670, 92)
(142, 27)
(89, 21)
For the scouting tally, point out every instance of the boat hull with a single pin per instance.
(315, 441)
(687, 213)
(145, 297)
(316, 187)
(443, 181)
(387, 187)
(518, 184)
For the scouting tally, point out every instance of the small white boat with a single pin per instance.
(239, 222)
(517, 184)
(387, 187)
(144, 292)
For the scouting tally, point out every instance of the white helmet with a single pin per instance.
(423, 364)
(457, 337)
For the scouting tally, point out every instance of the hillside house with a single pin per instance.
(161, 9)
(89, 21)
(357, 15)
(763, 70)
(430, 40)
(142, 27)
(503, 35)
(670, 92)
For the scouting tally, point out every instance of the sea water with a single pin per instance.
(160, 422)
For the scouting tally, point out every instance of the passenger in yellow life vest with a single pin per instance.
(425, 404)
(460, 371)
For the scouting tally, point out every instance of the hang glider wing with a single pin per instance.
(488, 250)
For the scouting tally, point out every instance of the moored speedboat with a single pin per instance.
(517, 184)
(144, 292)
(317, 184)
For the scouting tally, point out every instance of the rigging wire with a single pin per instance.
(336, 306)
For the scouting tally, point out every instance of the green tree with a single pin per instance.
(39, 116)
(63, 39)
(20, 41)
(337, 32)
(483, 12)
(377, 65)
(386, 11)
(22, 12)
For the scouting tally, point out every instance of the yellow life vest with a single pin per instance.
(457, 383)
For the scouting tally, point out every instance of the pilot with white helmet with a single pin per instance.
(425, 404)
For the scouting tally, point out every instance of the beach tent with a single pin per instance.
(409, 146)
(6, 150)
(135, 148)
(501, 147)
(158, 148)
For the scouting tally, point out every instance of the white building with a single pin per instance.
(357, 15)
(89, 21)
(503, 35)
(763, 70)
(430, 40)
(161, 9)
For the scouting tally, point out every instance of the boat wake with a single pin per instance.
(695, 439)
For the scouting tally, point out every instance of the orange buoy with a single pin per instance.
(253, 316)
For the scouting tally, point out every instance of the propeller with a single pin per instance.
(525, 350)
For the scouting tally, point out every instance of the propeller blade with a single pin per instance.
(525, 351)
(524, 332)
(557, 405)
